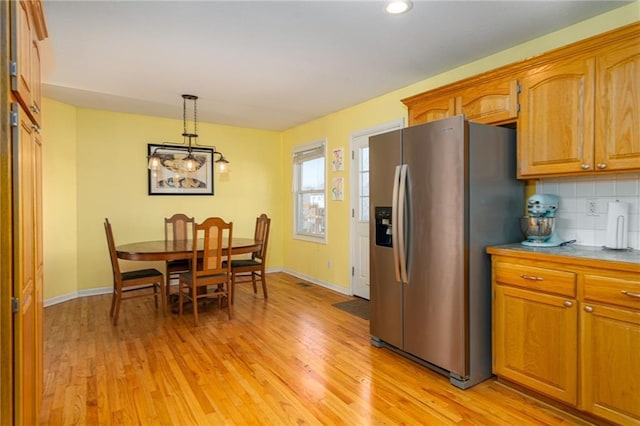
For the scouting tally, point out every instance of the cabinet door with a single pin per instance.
(618, 107)
(39, 268)
(489, 103)
(36, 90)
(26, 328)
(610, 360)
(535, 341)
(555, 130)
(21, 44)
(432, 109)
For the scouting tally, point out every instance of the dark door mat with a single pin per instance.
(357, 307)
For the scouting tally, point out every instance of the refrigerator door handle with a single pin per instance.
(402, 249)
(394, 223)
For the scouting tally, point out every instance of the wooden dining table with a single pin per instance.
(163, 250)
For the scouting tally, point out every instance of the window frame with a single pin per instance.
(300, 154)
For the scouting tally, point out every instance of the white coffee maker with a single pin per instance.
(539, 227)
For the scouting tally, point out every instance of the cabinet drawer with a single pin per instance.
(534, 278)
(616, 291)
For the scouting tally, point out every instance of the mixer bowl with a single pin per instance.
(536, 228)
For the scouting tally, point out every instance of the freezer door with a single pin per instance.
(386, 292)
(434, 297)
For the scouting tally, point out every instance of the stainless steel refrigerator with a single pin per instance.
(440, 193)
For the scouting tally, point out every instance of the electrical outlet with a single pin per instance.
(592, 207)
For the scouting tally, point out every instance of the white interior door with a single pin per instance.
(360, 206)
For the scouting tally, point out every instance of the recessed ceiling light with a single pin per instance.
(396, 7)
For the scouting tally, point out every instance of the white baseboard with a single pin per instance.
(106, 290)
(76, 294)
(316, 281)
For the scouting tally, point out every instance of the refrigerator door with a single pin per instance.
(435, 311)
(386, 291)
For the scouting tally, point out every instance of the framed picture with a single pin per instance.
(172, 178)
(337, 189)
(337, 160)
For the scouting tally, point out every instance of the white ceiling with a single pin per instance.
(273, 64)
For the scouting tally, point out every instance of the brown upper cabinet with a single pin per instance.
(555, 131)
(430, 108)
(618, 107)
(582, 115)
(28, 29)
(488, 101)
(577, 108)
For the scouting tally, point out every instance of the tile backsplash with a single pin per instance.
(575, 221)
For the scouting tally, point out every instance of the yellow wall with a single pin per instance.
(309, 259)
(109, 172)
(59, 199)
(95, 167)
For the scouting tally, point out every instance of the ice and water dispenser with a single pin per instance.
(383, 226)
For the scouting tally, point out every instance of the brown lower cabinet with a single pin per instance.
(569, 331)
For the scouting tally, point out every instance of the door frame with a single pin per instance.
(353, 179)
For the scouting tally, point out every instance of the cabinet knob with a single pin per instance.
(568, 303)
(588, 309)
(602, 166)
(585, 166)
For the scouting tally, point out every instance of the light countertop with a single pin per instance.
(628, 259)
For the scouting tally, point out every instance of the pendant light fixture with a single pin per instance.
(190, 135)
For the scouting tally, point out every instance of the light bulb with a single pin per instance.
(154, 162)
(398, 6)
(190, 163)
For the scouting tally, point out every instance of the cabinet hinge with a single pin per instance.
(13, 119)
(353, 213)
(519, 88)
(353, 271)
(353, 155)
(518, 107)
(15, 305)
(13, 69)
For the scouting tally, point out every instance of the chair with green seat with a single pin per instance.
(177, 227)
(132, 284)
(211, 269)
(253, 269)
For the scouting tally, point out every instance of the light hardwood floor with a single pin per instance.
(292, 359)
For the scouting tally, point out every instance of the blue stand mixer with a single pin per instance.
(539, 227)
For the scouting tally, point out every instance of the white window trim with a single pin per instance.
(297, 149)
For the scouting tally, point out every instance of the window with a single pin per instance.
(309, 191)
(363, 181)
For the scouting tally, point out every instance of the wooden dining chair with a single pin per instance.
(177, 227)
(211, 269)
(253, 269)
(132, 284)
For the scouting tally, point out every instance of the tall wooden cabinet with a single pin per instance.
(21, 266)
